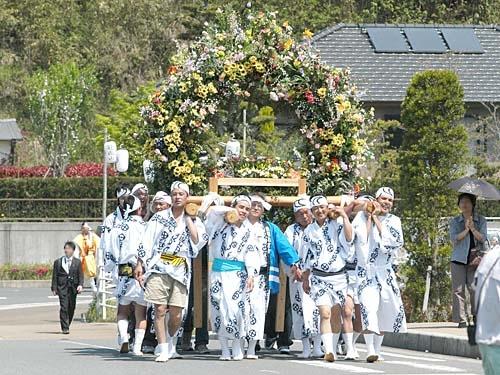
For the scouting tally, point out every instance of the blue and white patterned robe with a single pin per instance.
(378, 291)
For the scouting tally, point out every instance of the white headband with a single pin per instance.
(139, 187)
(385, 192)
(135, 207)
(366, 198)
(161, 196)
(319, 200)
(301, 203)
(256, 198)
(123, 191)
(179, 185)
(241, 198)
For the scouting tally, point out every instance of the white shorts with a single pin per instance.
(352, 286)
(329, 290)
(124, 301)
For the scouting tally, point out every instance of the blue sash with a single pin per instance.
(227, 265)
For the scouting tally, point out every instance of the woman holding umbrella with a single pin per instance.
(468, 235)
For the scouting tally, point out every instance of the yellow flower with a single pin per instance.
(286, 24)
(183, 157)
(343, 107)
(190, 163)
(321, 92)
(172, 126)
(173, 164)
(259, 67)
(211, 88)
(287, 44)
(248, 33)
(183, 87)
(220, 54)
(253, 60)
(308, 34)
(338, 140)
(196, 76)
(296, 63)
(172, 148)
(177, 171)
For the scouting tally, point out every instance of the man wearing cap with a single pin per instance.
(378, 237)
(329, 244)
(305, 314)
(171, 240)
(120, 260)
(272, 247)
(235, 264)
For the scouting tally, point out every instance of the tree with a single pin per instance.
(433, 153)
(61, 110)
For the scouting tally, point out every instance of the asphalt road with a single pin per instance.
(30, 343)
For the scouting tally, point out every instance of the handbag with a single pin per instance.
(471, 326)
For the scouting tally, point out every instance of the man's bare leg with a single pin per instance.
(160, 312)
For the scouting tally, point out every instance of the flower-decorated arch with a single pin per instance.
(237, 57)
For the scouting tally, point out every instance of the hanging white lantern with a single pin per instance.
(233, 148)
(110, 152)
(122, 160)
(149, 171)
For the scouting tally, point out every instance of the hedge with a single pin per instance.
(25, 272)
(65, 187)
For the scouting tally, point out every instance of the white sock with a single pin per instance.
(348, 341)
(161, 348)
(224, 345)
(327, 339)
(139, 337)
(251, 347)
(335, 341)
(306, 348)
(369, 343)
(123, 330)
(317, 344)
(377, 343)
(355, 337)
(170, 345)
(237, 352)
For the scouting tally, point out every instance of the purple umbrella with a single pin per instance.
(479, 188)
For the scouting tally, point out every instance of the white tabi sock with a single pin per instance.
(377, 343)
(163, 354)
(123, 330)
(224, 346)
(170, 345)
(348, 343)
(371, 355)
(139, 337)
(251, 347)
(335, 341)
(355, 336)
(327, 339)
(317, 352)
(237, 352)
(306, 348)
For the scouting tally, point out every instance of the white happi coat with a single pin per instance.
(164, 235)
(112, 220)
(124, 242)
(229, 301)
(327, 251)
(305, 314)
(378, 292)
(259, 296)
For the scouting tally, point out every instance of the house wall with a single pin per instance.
(5, 148)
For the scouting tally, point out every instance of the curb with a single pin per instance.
(25, 284)
(436, 343)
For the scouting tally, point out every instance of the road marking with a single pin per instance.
(86, 344)
(33, 305)
(425, 366)
(339, 366)
(397, 355)
(79, 297)
(270, 371)
(3, 298)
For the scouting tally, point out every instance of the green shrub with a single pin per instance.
(25, 271)
(92, 315)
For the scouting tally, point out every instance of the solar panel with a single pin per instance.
(425, 40)
(387, 39)
(462, 40)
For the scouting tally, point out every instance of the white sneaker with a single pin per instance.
(252, 356)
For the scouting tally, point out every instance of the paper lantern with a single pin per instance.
(110, 152)
(149, 172)
(122, 160)
(232, 149)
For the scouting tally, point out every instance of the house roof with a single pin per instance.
(384, 76)
(9, 130)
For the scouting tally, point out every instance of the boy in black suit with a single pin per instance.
(67, 282)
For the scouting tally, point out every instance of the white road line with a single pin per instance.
(32, 305)
(397, 355)
(86, 344)
(426, 367)
(444, 373)
(3, 298)
(341, 367)
(270, 371)
(79, 297)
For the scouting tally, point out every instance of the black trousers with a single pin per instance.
(283, 338)
(67, 304)
(201, 335)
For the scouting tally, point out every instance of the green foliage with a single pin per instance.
(433, 153)
(61, 110)
(123, 121)
(25, 271)
(93, 316)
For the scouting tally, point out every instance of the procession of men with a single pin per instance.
(338, 259)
